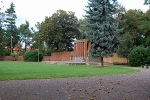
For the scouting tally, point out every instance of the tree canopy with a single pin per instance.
(82, 29)
(144, 28)
(59, 30)
(125, 46)
(25, 35)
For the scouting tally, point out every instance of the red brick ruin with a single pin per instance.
(80, 52)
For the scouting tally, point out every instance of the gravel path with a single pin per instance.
(112, 87)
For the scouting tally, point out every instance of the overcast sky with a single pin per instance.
(35, 10)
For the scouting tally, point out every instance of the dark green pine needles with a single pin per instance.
(102, 27)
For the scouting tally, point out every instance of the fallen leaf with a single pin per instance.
(65, 91)
(81, 97)
(91, 98)
(66, 82)
(73, 89)
(93, 95)
(57, 90)
(80, 89)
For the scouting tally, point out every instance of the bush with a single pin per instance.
(14, 54)
(32, 56)
(147, 60)
(138, 56)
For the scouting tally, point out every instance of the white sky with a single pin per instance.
(35, 10)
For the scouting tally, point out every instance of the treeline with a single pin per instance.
(57, 32)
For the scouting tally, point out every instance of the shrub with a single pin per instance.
(14, 55)
(32, 56)
(147, 60)
(138, 56)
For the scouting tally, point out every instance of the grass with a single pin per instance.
(33, 70)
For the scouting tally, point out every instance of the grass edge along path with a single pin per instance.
(34, 70)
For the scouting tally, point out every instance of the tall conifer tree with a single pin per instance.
(10, 27)
(102, 27)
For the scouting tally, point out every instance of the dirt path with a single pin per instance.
(112, 87)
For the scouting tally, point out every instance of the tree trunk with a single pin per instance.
(102, 62)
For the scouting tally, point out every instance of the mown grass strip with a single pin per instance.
(33, 70)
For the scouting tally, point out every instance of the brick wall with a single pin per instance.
(66, 56)
(46, 58)
(60, 56)
(9, 58)
(81, 48)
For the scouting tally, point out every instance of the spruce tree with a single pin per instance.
(11, 37)
(102, 27)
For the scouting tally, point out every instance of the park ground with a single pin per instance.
(135, 86)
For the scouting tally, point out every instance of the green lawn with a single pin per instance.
(33, 70)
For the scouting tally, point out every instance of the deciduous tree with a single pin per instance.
(25, 35)
(144, 28)
(82, 28)
(59, 30)
(132, 21)
(125, 46)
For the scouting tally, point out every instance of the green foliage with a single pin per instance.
(82, 28)
(58, 31)
(32, 56)
(144, 28)
(21, 52)
(132, 20)
(138, 56)
(4, 51)
(125, 46)
(25, 35)
(14, 54)
(11, 31)
(102, 28)
(147, 56)
(1, 42)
